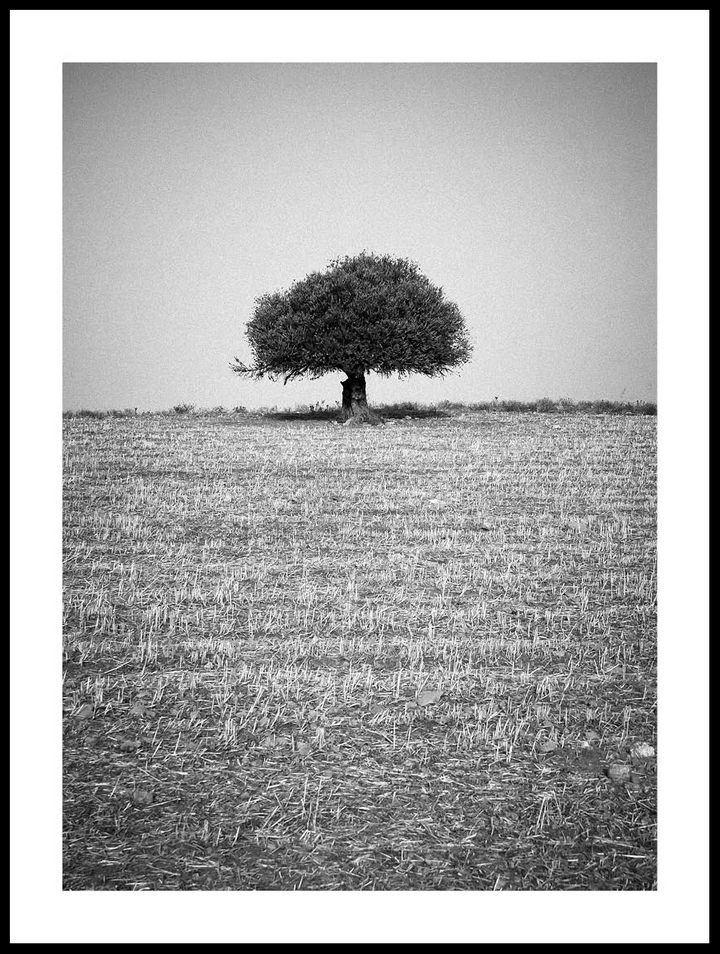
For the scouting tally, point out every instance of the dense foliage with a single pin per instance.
(364, 313)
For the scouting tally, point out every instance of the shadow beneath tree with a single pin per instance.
(384, 411)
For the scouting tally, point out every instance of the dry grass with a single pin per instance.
(253, 612)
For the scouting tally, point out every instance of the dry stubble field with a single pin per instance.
(304, 656)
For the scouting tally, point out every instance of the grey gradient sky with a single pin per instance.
(528, 191)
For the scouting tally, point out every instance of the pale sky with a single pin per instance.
(527, 191)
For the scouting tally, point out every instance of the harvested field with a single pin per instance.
(412, 657)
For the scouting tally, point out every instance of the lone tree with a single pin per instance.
(364, 313)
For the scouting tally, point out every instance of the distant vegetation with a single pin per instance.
(322, 411)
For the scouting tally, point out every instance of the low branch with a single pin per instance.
(239, 368)
(272, 371)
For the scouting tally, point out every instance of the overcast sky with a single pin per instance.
(528, 191)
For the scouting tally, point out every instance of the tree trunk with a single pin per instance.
(354, 400)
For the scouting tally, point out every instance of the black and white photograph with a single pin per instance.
(358, 427)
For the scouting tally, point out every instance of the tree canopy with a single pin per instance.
(363, 313)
